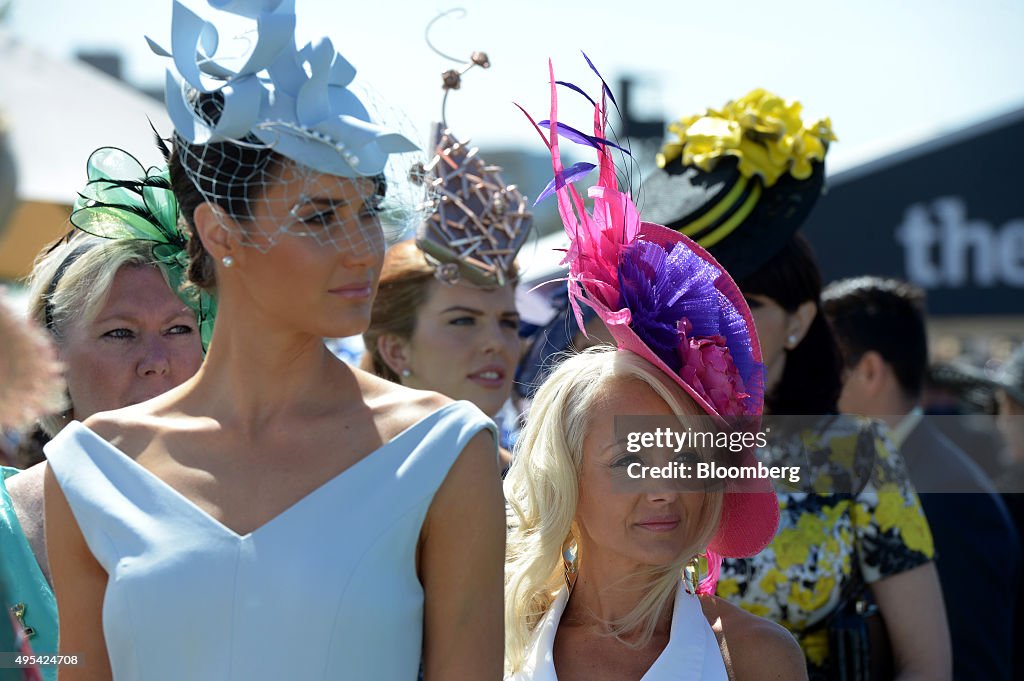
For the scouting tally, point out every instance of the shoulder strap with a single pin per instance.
(113, 498)
(439, 440)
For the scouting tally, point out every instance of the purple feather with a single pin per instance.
(661, 288)
(577, 89)
(573, 173)
(574, 135)
(712, 313)
(737, 338)
(607, 90)
(696, 297)
(650, 291)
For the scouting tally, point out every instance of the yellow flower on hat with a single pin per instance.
(765, 132)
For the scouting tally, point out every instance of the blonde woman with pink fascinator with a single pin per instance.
(610, 571)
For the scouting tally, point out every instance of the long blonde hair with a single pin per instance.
(542, 488)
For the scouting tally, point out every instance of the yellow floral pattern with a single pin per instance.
(830, 543)
(765, 132)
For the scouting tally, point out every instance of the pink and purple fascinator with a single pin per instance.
(666, 299)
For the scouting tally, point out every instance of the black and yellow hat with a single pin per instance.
(740, 180)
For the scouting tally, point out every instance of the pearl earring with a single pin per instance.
(791, 341)
(406, 373)
(227, 261)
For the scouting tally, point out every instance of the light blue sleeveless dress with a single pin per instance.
(326, 590)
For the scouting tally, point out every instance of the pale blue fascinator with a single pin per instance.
(297, 102)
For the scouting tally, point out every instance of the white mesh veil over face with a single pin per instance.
(283, 146)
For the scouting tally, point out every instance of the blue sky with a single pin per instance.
(886, 72)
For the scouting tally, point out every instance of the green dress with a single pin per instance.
(829, 544)
(27, 588)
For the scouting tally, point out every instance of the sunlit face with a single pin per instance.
(466, 344)
(143, 342)
(771, 322)
(630, 524)
(318, 255)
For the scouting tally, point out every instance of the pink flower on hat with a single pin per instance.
(708, 367)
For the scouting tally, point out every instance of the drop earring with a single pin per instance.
(572, 569)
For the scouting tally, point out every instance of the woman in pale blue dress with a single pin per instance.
(281, 514)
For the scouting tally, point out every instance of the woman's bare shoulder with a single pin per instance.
(755, 648)
(396, 407)
(131, 429)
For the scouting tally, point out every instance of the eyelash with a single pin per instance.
(507, 323)
(689, 458)
(115, 334)
(686, 458)
(323, 218)
(370, 211)
(624, 461)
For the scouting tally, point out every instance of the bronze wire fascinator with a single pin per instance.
(478, 223)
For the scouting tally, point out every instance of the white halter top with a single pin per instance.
(692, 653)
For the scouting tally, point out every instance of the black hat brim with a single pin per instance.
(681, 197)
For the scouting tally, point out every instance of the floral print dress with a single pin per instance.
(864, 523)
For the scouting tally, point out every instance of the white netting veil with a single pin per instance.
(283, 145)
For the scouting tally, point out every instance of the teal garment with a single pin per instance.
(25, 582)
